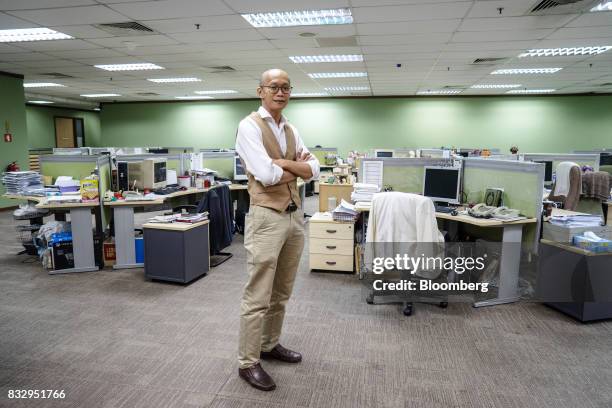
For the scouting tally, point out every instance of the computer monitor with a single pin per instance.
(149, 173)
(548, 170)
(605, 159)
(442, 184)
(383, 153)
(239, 172)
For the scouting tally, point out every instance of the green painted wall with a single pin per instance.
(535, 124)
(12, 110)
(41, 125)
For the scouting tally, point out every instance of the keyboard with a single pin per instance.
(166, 190)
(444, 209)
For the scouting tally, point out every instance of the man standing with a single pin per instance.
(274, 157)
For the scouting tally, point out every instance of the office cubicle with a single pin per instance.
(173, 160)
(522, 182)
(72, 151)
(605, 158)
(221, 162)
(582, 159)
(321, 152)
(79, 167)
(403, 174)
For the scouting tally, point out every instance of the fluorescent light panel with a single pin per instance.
(439, 92)
(300, 18)
(193, 97)
(603, 6)
(561, 52)
(530, 91)
(40, 84)
(216, 92)
(325, 75)
(308, 94)
(32, 34)
(347, 88)
(41, 102)
(495, 86)
(512, 71)
(172, 80)
(129, 67)
(313, 59)
(101, 95)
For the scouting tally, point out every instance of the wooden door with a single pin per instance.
(64, 132)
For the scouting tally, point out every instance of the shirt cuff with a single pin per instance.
(277, 173)
(314, 167)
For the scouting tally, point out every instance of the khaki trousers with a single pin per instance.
(273, 243)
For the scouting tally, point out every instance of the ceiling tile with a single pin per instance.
(216, 36)
(188, 25)
(8, 22)
(415, 27)
(69, 15)
(418, 12)
(156, 10)
(259, 6)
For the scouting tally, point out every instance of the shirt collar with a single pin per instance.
(266, 115)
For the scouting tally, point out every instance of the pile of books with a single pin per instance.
(20, 182)
(192, 218)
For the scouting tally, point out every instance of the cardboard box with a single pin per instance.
(108, 250)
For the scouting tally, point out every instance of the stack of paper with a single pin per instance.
(192, 218)
(586, 220)
(19, 182)
(364, 192)
(345, 212)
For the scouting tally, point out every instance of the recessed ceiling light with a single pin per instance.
(319, 75)
(347, 88)
(526, 71)
(495, 86)
(129, 67)
(530, 91)
(560, 52)
(40, 84)
(308, 94)
(193, 97)
(310, 59)
(603, 6)
(171, 80)
(32, 34)
(216, 92)
(439, 92)
(41, 102)
(300, 18)
(102, 95)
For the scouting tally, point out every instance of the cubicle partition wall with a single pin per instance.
(79, 167)
(320, 152)
(72, 151)
(173, 161)
(404, 174)
(522, 182)
(221, 162)
(605, 161)
(583, 159)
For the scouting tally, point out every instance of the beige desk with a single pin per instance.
(82, 236)
(510, 260)
(123, 215)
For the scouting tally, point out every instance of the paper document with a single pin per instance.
(373, 173)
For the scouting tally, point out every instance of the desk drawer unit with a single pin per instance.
(331, 244)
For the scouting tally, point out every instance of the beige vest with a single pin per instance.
(277, 196)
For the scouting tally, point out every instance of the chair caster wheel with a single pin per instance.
(370, 299)
(443, 305)
(407, 310)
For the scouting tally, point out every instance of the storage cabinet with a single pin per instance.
(331, 243)
(176, 252)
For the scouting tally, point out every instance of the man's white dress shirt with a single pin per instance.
(249, 145)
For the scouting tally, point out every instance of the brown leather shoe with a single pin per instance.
(282, 354)
(257, 377)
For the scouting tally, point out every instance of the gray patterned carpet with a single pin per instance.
(112, 339)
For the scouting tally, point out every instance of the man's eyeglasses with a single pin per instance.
(275, 89)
